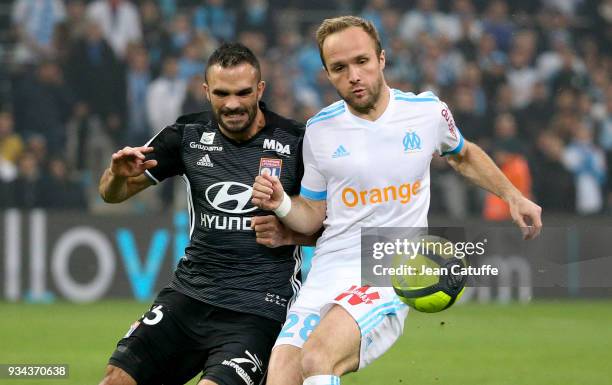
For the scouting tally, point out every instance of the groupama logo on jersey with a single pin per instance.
(230, 197)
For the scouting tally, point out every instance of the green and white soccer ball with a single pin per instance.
(431, 287)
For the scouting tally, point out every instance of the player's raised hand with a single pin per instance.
(269, 231)
(527, 215)
(268, 192)
(130, 161)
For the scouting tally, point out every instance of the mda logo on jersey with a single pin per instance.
(278, 147)
(412, 142)
(270, 166)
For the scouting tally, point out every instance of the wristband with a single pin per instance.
(284, 208)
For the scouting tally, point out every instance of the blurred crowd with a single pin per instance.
(527, 80)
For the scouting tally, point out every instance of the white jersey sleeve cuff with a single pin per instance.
(457, 149)
(313, 195)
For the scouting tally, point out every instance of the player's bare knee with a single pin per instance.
(277, 363)
(116, 376)
(316, 359)
(347, 365)
(314, 364)
(280, 377)
(285, 366)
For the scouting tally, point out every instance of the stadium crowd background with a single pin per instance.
(527, 80)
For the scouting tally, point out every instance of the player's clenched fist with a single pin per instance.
(268, 192)
(269, 231)
(130, 161)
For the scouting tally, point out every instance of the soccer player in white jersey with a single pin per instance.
(366, 161)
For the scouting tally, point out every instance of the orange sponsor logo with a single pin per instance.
(402, 193)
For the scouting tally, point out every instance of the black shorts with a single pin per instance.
(181, 336)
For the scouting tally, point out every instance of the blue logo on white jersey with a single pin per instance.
(340, 152)
(412, 142)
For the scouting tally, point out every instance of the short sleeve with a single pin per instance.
(450, 140)
(167, 151)
(314, 186)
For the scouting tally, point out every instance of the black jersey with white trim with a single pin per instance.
(223, 265)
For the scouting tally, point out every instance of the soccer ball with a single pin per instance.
(431, 283)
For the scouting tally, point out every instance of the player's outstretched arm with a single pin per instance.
(125, 176)
(474, 164)
(301, 215)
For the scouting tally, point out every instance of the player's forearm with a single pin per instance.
(305, 239)
(305, 218)
(113, 188)
(479, 168)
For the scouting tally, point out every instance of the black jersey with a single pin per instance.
(223, 264)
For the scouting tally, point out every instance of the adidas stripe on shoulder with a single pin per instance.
(329, 112)
(426, 96)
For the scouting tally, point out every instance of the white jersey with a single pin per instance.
(371, 174)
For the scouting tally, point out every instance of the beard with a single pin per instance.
(364, 105)
(238, 126)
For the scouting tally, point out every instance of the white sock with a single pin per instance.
(322, 380)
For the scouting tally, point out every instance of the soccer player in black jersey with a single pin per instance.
(224, 307)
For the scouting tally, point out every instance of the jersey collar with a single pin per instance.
(381, 119)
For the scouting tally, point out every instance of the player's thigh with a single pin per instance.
(240, 348)
(378, 315)
(333, 345)
(156, 349)
(301, 321)
(285, 366)
(116, 376)
(285, 363)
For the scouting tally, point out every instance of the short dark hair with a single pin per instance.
(231, 55)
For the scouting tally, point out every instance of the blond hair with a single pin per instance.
(337, 24)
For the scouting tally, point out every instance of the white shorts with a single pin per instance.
(379, 313)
